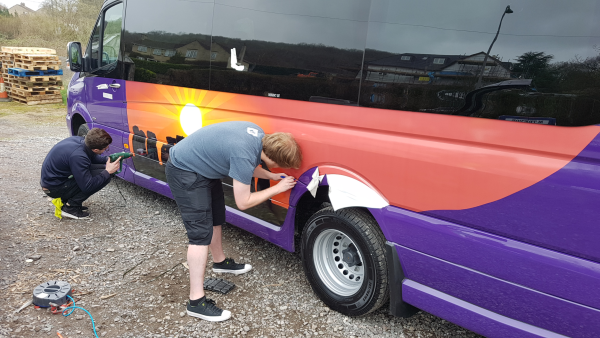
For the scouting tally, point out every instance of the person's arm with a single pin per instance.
(80, 167)
(246, 199)
(260, 172)
(99, 159)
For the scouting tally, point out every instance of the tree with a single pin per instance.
(536, 66)
(4, 12)
(177, 58)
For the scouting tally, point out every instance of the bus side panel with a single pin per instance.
(400, 154)
(499, 296)
(560, 212)
(547, 271)
(480, 320)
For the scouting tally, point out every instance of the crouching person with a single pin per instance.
(74, 170)
(194, 171)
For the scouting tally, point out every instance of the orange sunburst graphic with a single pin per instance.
(169, 113)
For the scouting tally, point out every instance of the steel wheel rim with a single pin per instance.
(336, 273)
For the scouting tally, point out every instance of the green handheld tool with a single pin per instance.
(115, 156)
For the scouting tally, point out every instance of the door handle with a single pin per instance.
(114, 85)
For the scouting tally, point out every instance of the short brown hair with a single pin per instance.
(282, 149)
(97, 139)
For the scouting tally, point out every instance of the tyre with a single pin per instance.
(83, 130)
(343, 254)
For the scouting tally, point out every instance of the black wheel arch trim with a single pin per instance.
(398, 307)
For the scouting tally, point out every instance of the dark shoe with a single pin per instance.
(230, 266)
(83, 208)
(73, 212)
(208, 310)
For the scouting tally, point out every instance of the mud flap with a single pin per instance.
(398, 307)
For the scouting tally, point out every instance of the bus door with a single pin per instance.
(104, 87)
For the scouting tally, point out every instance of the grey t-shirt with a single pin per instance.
(223, 149)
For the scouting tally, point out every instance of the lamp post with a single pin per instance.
(506, 11)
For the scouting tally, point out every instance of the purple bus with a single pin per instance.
(451, 164)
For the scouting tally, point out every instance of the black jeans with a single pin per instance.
(70, 192)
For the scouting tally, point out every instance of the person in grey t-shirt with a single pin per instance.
(194, 171)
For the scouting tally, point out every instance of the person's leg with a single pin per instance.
(197, 256)
(97, 169)
(218, 213)
(192, 194)
(77, 199)
(65, 192)
(220, 262)
(216, 245)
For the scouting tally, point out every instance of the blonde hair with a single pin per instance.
(282, 149)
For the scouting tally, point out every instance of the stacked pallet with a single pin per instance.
(32, 75)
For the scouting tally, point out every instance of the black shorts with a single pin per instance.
(200, 200)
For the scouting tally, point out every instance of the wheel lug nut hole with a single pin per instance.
(338, 237)
(357, 279)
(336, 244)
(351, 276)
(345, 272)
(336, 251)
(337, 258)
(341, 266)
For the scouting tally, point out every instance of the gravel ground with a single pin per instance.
(126, 262)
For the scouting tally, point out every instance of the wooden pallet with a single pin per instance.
(37, 102)
(37, 62)
(35, 78)
(36, 89)
(33, 67)
(27, 93)
(20, 72)
(36, 57)
(29, 83)
(14, 93)
(28, 50)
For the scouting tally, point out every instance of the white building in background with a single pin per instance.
(20, 9)
(435, 69)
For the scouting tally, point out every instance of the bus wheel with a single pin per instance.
(343, 254)
(83, 130)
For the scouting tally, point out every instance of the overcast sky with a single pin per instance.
(563, 28)
(31, 4)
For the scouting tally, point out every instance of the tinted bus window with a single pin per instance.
(428, 56)
(168, 42)
(94, 45)
(302, 50)
(111, 38)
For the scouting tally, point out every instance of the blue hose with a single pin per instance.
(77, 307)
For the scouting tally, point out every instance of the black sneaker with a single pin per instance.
(208, 310)
(73, 212)
(83, 208)
(230, 266)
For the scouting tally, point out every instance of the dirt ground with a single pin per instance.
(125, 263)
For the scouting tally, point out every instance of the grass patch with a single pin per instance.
(52, 111)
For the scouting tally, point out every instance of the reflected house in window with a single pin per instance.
(194, 51)
(435, 69)
(152, 50)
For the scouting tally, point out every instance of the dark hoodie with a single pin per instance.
(72, 157)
